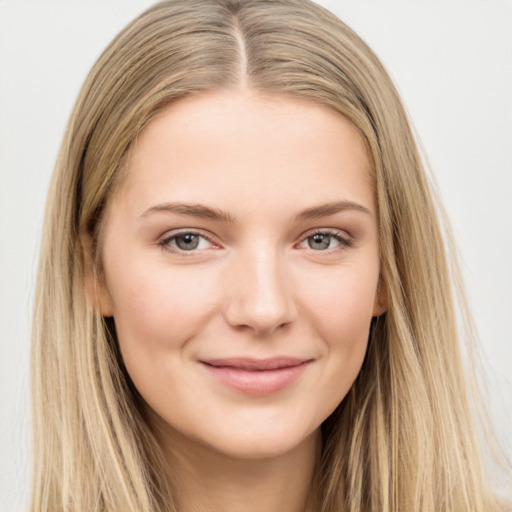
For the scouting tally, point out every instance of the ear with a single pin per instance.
(95, 284)
(380, 304)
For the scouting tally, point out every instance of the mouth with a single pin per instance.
(257, 377)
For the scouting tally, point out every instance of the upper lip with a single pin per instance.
(255, 364)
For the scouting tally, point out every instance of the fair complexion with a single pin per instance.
(241, 266)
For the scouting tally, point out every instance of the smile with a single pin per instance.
(257, 377)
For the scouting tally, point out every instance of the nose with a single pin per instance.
(259, 295)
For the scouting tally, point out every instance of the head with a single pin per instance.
(176, 61)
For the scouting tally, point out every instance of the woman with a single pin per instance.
(255, 309)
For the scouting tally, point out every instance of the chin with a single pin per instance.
(269, 441)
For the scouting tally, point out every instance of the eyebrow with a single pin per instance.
(218, 215)
(324, 210)
(193, 210)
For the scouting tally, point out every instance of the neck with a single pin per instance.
(205, 480)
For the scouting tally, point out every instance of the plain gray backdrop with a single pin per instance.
(452, 63)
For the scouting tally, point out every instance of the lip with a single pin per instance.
(257, 377)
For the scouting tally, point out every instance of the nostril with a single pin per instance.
(260, 324)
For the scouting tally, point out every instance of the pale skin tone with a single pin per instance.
(274, 276)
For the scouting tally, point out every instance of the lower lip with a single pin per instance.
(257, 383)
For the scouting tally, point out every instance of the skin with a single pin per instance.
(254, 287)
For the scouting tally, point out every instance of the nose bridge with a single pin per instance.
(259, 292)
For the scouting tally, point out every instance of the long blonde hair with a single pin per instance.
(403, 437)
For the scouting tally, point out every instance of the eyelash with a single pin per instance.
(344, 241)
(164, 243)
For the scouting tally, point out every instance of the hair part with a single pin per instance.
(402, 439)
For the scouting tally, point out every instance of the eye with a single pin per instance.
(324, 240)
(185, 241)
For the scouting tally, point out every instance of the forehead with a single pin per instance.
(217, 144)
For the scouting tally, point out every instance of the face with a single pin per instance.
(241, 267)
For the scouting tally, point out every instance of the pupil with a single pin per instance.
(187, 242)
(320, 241)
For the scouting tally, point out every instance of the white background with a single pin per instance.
(452, 62)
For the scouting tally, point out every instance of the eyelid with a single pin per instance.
(328, 231)
(164, 241)
(344, 238)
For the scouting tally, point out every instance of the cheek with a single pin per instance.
(342, 304)
(350, 313)
(342, 308)
(158, 308)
